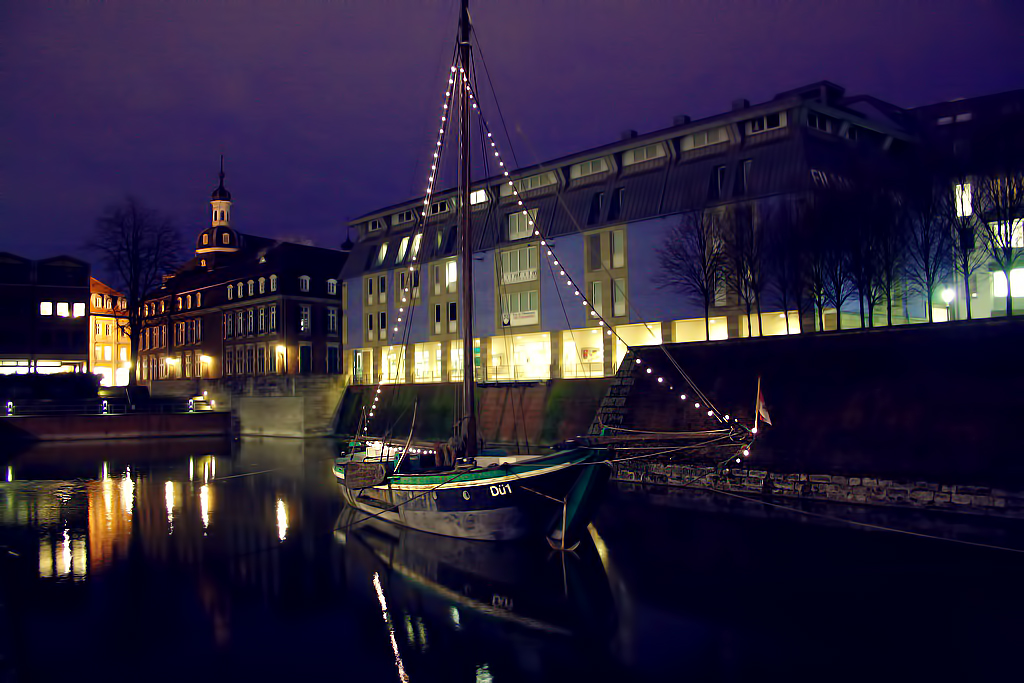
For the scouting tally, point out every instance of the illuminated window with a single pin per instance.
(206, 239)
(403, 249)
(586, 168)
(520, 308)
(451, 275)
(332, 287)
(415, 251)
(520, 224)
(597, 297)
(45, 308)
(199, 299)
(179, 303)
(231, 291)
(123, 353)
(273, 283)
(263, 285)
(261, 322)
(477, 197)
(304, 283)
(641, 154)
(332, 320)
(519, 265)
(273, 317)
(1016, 283)
(304, 319)
(530, 183)
(78, 310)
(619, 297)
(108, 353)
(97, 352)
(382, 252)
(63, 310)
(225, 238)
(704, 138)
(962, 196)
(618, 248)
(188, 302)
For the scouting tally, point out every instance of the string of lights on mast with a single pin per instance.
(456, 79)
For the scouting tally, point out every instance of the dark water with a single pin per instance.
(188, 561)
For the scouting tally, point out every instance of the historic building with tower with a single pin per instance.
(244, 306)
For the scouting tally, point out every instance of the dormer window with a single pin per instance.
(532, 182)
(179, 303)
(766, 123)
(819, 122)
(231, 291)
(202, 262)
(443, 206)
(381, 253)
(199, 299)
(263, 285)
(332, 287)
(403, 217)
(239, 290)
(225, 238)
(586, 168)
(704, 138)
(403, 249)
(206, 239)
(641, 154)
(478, 197)
(273, 283)
(251, 287)
(188, 302)
(375, 224)
(304, 283)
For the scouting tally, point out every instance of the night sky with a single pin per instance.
(327, 110)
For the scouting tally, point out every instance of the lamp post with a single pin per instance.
(948, 294)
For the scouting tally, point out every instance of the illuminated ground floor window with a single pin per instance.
(583, 353)
(640, 334)
(428, 362)
(520, 357)
(774, 323)
(393, 364)
(455, 361)
(362, 366)
(694, 330)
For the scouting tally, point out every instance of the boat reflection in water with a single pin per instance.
(457, 609)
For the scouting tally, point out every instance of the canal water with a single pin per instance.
(190, 560)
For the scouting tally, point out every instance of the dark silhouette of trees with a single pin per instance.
(692, 260)
(138, 246)
(785, 259)
(744, 254)
(999, 197)
(955, 204)
(928, 247)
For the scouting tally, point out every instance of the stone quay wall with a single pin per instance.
(865, 490)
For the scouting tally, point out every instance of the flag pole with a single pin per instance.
(757, 403)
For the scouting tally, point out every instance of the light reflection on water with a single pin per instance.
(260, 559)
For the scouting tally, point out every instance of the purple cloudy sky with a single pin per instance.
(327, 109)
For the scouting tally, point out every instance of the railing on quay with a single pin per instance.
(100, 406)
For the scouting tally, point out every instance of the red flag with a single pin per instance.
(760, 409)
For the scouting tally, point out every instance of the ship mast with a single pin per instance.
(465, 233)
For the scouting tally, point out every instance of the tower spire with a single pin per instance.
(221, 200)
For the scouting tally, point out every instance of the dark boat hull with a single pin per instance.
(499, 504)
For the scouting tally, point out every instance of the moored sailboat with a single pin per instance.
(470, 492)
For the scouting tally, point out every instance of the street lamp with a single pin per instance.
(948, 294)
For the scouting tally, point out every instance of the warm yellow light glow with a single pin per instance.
(205, 359)
(947, 295)
(170, 361)
(282, 519)
(204, 504)
(128, 491)
(281, 348)
(64, 559)
(191, 469)
(169, 502)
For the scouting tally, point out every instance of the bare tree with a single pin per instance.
(830, 269)
(999, 197)
(928, 242)
(863, 252)
(744, 254)
(784, 260)
(955, 205)
(138, 246)
(692, 261)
